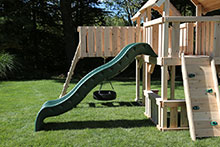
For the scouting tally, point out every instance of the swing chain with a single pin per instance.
(105, 80)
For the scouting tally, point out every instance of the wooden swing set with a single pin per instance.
(191, 42)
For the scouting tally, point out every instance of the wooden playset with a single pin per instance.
(191, 42)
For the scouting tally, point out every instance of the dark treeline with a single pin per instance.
(42, 34)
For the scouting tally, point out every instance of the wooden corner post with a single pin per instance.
(164, 70)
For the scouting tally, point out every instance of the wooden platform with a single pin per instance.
(202, 96)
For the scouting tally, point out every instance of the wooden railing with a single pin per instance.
(107, 41)
(188, 35)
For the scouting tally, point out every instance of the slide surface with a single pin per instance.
(88, 82)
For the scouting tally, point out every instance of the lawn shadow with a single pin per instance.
(77, 125)
(114, 104)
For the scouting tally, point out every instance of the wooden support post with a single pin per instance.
(188, 101)
(144, 81)
(164, 69)
(175, 39)
(198, 30)
(137, 81)
(71, 71)
(172, 82)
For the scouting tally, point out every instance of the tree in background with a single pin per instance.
(36, 31)
(78, 13)
(124, 9)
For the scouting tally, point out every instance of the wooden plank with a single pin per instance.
(173, 103)
(154, 22)
(165, 35)
(173, 117)
(91, 47)
(194, 60)
(175, 40)
(164, 80)
(172, 82)
(137, 81)
(211, 39)
(98, 41)
(188, 100)
(190, 18)
(107, 45)
(190, 37)
(207, 132)
(206, 124)
(114, 41)
(163, 117)
(206, 116)
(160, 38)
(137, 35)
(215, 79)
(155, 38)
(210, 100)
(131, 35)
(203, 36)
(144, 81)
(207, 37)
(216, 40)
(83, 41)
(145, 34)
(183, 117)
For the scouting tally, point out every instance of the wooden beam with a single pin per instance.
(190, 18)
(172, 82)
(188, 101)
(137, 81)
(195, 2)
(154, 22)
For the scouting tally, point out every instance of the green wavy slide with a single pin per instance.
(88, 82)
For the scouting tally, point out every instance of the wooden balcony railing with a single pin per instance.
(107, 41)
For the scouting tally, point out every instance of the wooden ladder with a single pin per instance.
(202, 96)
(71, 71)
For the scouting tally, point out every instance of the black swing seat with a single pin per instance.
(104, 95)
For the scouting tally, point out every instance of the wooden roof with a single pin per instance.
(208, 5)
(156, 5)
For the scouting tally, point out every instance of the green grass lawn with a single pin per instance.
(92, 123)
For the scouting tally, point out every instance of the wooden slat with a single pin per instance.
(155, 38)
(137, 34)
(207, 37)
(131, 35)
(190, 37)
(206, 124)
(203, 38)
(190, 18)
(211, 49)
(137, 80)
(217, 40)
(114, 40)
(83, 41)
(107, 42)
(183, 117)
(98, 41)
(173, 117)
(172, 82)
(160, 38)
(207, 132)
(91, 49)
(205, 116)
(175, 40)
